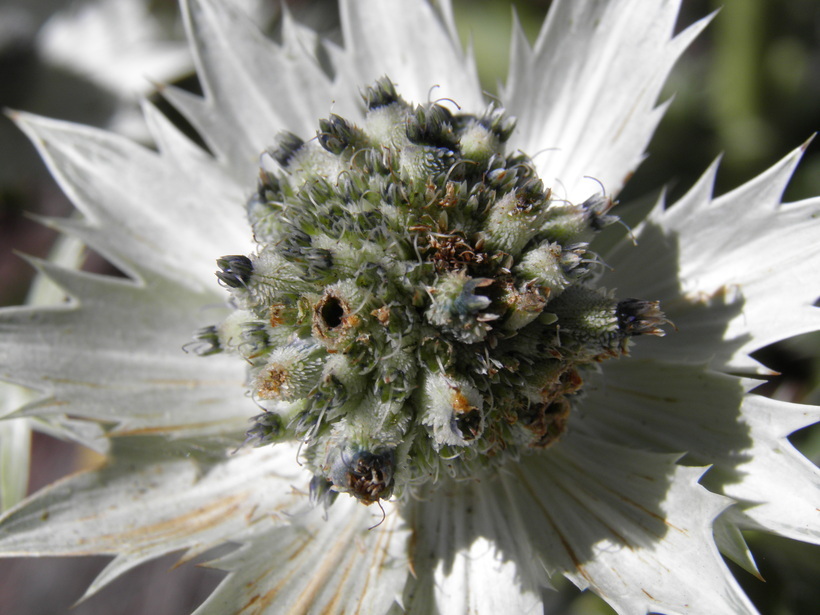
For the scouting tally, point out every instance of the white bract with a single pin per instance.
(419, 317)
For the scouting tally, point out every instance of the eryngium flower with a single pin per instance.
(429, 309)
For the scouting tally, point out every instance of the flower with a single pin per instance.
(420, 319)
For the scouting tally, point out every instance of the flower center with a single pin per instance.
(420, 305)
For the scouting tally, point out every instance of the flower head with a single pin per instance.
(418, 315)
(419, 307)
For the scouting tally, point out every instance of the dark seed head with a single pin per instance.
(369, 476)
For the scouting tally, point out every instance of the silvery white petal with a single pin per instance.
(253, 87)
(141, 506)
(15, 449)
(585, 94)
(15, 434)
(632, 525)
(338, 564)
(668, 407)
(382, 37)
(470, 557)
(115, 354)
(733, 273)
(677, 407)
(777, 487)
(731, 543)
(119, 44)
(160, 213)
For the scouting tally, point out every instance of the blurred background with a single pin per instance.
(749, 89)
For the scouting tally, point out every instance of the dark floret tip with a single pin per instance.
(206, 342)
(287, 144)
(532, 191)
(432, 125)
(321, 492)
(499, 123)
(640, 317)
(235, 270)
(381, 94)
(268, 427)
(597, 210)
(335, 134)
(268, 184)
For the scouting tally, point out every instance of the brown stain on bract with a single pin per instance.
(276, 312)
(182, 525)
(564, 542)
(271, 382)
(146, 431)
(461, 405)
(333, 557)
(382, 314)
